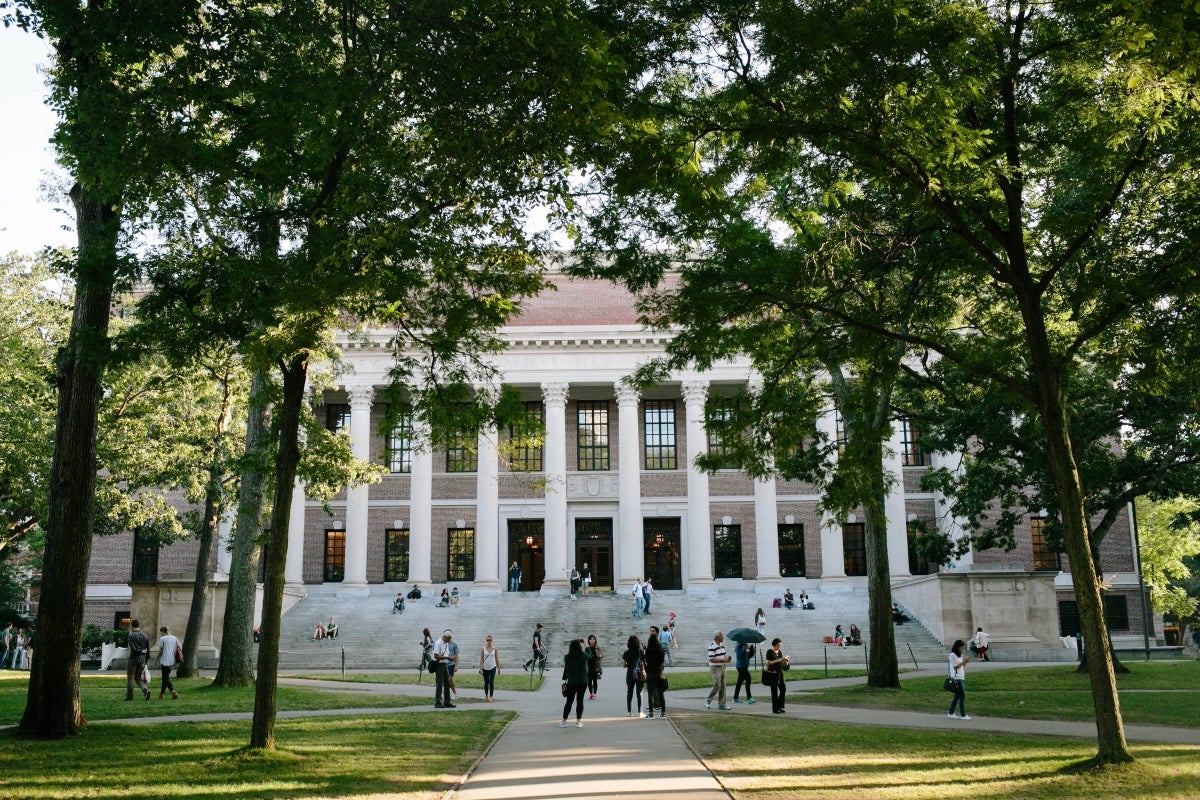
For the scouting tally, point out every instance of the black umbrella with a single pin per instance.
(746, 635)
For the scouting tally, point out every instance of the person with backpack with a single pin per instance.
(135, 665)
(635, 675)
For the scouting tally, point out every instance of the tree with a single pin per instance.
(1169, 533)
(1043, 149)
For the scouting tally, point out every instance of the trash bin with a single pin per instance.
(1171, 635)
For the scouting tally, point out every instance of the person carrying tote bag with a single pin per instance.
(776, 663)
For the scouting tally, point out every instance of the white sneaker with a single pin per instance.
(708, 704)
(641, 715)
(951, 716)
(579, 724)
(562, 724)
(964, 716)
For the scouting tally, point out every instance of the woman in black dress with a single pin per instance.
(777, 662)
(654, 659)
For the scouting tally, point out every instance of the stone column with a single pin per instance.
(893, 506)
(699, 534)
(420, 507)
(943, 515)
(357, 497)
(833, 561)
(555, 399)
(630, 553)
(293, 569)
(766, 524)
(487, 520)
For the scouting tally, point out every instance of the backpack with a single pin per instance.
(639, 671)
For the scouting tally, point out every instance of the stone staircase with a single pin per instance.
(373, 638)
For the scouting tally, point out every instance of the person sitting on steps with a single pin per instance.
(398, 603)
(789, 599)
(319, 632)
(414, 593)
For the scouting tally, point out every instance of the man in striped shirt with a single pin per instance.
(717, 661)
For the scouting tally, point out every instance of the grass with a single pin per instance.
(408, 756)
(1154, 693)
(464, 680)
(781, 759)
(103, 698)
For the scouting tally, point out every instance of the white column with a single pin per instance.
(833, 560)
(554, 396)
(944, 517)
(355, 581)
(630, 553)
(224, 532)
(420, 507)
(893, 506)
(293, 568)
(766, 522)
(699, 578)
(487, 522)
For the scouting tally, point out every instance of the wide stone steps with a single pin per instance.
(371, 637)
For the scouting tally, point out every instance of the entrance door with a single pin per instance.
(593, 546)
(661, 545)
(527, 546)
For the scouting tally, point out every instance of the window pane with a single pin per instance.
(917, 563)
(854, 548)
(145, 557)
(791, 551)
(399, 445)
(461, 458)
(660, 434)
(910, 439)
(395, 566)
(335, 556)
(727, 551)
(1044, 557)
(461, 555)
(337, 417)
(720, 409)
(527, 457)
(593, 434)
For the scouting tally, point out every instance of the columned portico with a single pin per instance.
(420, 507)
(699, 575)
(357, 497)
(630, 556)
(487, 522)
(554, 397)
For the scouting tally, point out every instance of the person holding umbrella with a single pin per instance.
(743, 653)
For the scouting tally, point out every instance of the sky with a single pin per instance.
(29, 220)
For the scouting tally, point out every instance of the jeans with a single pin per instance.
(654, 695)
(133, 675)
(639, 605)
(441, 695)
(632, 687)
(166, 685)
(514, 584)
(960, 698)
(574, 695)
(743, 677)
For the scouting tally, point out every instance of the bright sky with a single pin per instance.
(28, 220)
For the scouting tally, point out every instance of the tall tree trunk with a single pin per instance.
(52, 708)
(1052, 406)
(287, 459)
(883, 668)
(208, 533)
(235, 666)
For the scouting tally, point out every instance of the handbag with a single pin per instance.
(433, 665)
(786, 665)
(769, 678)
(178, 653)
(950, 685)
(564, 688)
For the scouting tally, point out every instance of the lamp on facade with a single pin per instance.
(529, 541)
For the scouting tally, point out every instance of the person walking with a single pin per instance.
(957, 663)
(639, 600)
(7, 641)
(743, 652)
(135, 666)
(760, 621)
(665, 637)
(538, 659)
(489, 667)
(169, 656)
(653, 659)
(718, 660)
(426, 649)
(594, 666)
(635, 678)
(575, 680)
(647, 593)
(445, 653)
(514, 577)
(776, 663)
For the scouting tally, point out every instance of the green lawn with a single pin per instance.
(782, 759)
(406, 756)
(1155, 693)
(518, 682)
(103, 697)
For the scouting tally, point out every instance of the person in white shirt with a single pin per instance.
(445, 653)
(168, 649)
(980, 642)
(718, 659)
(958, 673)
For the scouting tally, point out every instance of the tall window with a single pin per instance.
(399, 444)
(337, 417)
(145, 557)
(593, 434)
(917, 563)
(910, 439)
(839, 428)
(461, 457)
(660, 434)
(460, 564)
(335, 556)
(395, 564)
(720, 409)
(727, 551)
(791, 551)
(527, 457)
(854, 548)
(1044, 556)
